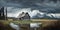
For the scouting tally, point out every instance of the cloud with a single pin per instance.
(37, 8)
(14, 12)
(30, 3)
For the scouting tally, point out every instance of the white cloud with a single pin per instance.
(16, 11)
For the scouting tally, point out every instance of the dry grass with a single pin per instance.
(29, 21)
(46, 22)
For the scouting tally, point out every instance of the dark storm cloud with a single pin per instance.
(45, 6)
(28, 3)
(34, 4)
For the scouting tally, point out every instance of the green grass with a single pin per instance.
(24, 21)
(44, 22)
(18, 21)
(5, 22)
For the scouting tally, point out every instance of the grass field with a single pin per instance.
(28, 21)
(45, 22)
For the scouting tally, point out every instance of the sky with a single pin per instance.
(41, 8)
